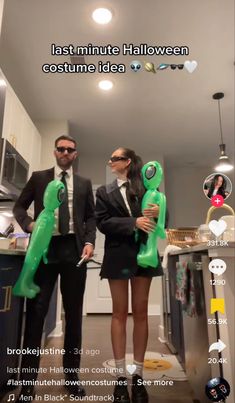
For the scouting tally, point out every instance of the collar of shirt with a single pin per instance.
(58, 171)
(121, 182)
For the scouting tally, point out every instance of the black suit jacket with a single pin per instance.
(121, 249)
(83, 204)
(114, 220)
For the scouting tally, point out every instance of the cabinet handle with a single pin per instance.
(7, 301)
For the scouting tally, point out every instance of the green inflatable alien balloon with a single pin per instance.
(152, 177)
(40, 240)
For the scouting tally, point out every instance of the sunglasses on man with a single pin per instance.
(61, 150)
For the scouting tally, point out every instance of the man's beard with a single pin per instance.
(65, 164)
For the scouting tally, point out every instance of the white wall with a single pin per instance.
(50, 130)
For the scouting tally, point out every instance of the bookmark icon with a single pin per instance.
(217, 305)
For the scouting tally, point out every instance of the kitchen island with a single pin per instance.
(190, 334)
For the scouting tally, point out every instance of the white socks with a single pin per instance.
(139, 368)
(121, 367)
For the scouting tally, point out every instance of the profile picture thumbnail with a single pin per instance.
(217, 184)
(217, 389)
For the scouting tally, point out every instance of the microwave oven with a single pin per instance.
(14, 169)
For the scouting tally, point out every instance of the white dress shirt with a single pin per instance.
(123, 190)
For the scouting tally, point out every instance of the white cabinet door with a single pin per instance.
(13, 119)
(20, 131)
(97, 296)
(35, 157)
(25, 146)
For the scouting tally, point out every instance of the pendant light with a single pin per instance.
(224, 164)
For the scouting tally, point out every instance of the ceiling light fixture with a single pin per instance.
(224, 164)
(102, 16)
(105, 85)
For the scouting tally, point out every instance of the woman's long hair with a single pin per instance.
(221, 190)
(134, 173)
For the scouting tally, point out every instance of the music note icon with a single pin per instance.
(11, 397)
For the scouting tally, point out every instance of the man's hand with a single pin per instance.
(88, 250)
(31, 226)
(152, 211)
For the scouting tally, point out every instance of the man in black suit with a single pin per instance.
(73, 238)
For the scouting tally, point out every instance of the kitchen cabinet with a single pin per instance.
(35, 156)
(191, 336)
(20, 131)
(12, 314)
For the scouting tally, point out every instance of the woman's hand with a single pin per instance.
(152, 211)
(145, 224)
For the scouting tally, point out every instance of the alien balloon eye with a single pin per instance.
(61, 194)
(150, 171)
(138, 66)
(132, 66)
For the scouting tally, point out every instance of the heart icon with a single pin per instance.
(190, 66)
(217, 227)
(131, 369)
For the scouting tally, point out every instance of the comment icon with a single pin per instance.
(217, 266)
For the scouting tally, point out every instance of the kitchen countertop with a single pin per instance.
(221, 250)
(20, 252)
(197, 248)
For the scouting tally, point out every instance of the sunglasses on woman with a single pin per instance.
(116, 159)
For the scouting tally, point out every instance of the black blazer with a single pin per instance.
(121, 249)
(83, 204)
(114, 220)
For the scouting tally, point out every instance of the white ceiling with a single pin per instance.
(171, 111)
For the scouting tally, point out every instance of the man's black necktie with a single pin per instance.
(64, 209)
(132, 201)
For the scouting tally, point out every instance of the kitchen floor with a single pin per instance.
(97, 349)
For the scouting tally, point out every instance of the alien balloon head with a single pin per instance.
(54, 195)
(152, 176)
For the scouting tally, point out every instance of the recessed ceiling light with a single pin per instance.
(102, 16)
(105, 85)
(2, 83)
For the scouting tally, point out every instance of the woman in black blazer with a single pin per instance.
(119, 216)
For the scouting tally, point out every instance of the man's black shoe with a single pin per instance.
(139, 393)
(72, 384)
(26, 395)
(120, 394)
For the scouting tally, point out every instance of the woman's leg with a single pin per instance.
(139, 297)
(119, 293)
